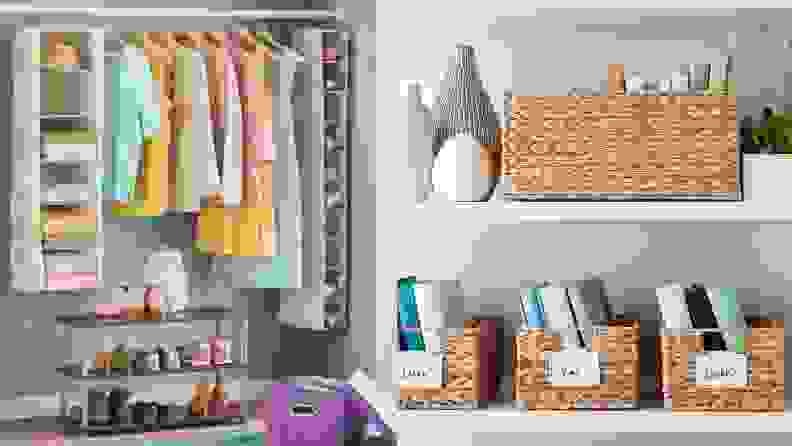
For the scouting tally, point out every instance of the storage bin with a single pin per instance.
(470, 371)
(615, 386)
(764, 357)
(310, 411)
(603, 148)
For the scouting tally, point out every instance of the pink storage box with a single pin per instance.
(203, 357)
(217, 346)
(224, 408)
(57, 281)
(110, 311)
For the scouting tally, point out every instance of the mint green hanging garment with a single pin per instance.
(134, 116)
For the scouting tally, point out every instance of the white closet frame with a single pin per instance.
(27, 260)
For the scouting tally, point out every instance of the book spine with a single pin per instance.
(558, 316)
(582, 318)
(533, 308)
(703, 317)
(730, 317)
(673, 309)
(408, 316)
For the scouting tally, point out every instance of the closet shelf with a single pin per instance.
(71, 371)
(763, 185)
(199, 313)
(509, 419)
(202, 423)
(52, 116)
(64, 68)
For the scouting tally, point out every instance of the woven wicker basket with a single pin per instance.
(618, 390)
(622, 147)
(463, 386)
(765, 393)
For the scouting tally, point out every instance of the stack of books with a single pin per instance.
(572, 312)
(712, 310)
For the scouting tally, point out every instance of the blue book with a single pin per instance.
(533, 307)
(409, 324)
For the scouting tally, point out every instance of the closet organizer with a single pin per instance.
(193, 131)
(200, 124)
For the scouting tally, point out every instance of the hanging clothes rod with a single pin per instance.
(283, 48)
(256, 14)
(275, 44)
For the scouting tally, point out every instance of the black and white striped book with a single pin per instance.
(730, 317)
(582, 315)
(702, 317)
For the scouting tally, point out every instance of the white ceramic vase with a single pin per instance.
(457, 171)
(465, 130)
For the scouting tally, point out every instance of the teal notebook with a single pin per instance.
(410, 335)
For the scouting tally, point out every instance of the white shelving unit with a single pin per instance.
(414, 424)
(763, 179)
(33, 156)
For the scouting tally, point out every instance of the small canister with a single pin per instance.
(152, 361)
(228, 359)
(86, 367)
(98, 407)
(150, 414)
(172, 360)
(137, 361)
(124, 415)
(171, 415)
(182, 355)
(75, 414)
(162, 357)
(145, 414)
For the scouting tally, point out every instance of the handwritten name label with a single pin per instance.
(420, 369)
(718, 368)
(572, 368)
(413, 373)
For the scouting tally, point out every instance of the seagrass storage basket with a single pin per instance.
(470, 371)
(618, 388)
(618, 147)
(764, 348)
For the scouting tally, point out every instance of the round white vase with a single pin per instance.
(465, 132)
(457, 171)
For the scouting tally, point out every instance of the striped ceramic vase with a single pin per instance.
(463, 109)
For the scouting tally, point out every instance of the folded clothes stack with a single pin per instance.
(69, 145)
(68, 224)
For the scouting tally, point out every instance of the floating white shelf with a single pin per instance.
(765, 177)
(465, 422)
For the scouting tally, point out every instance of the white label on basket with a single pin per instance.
(572, 368)
(420, 369)
(716, 368)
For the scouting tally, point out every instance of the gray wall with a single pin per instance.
(546, 55)
(29, 366)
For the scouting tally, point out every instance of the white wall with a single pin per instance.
(544, 55)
